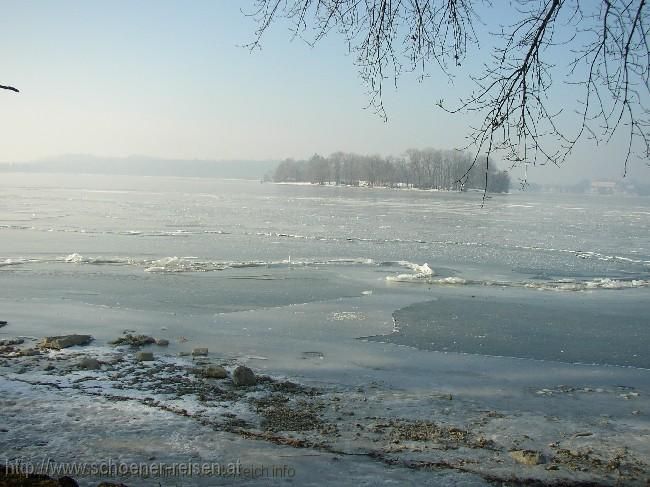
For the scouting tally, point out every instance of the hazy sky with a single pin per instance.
(169, 79)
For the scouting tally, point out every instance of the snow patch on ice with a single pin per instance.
(420, 272)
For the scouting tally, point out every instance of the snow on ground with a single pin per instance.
(165, 411)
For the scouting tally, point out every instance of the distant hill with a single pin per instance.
(145, 166)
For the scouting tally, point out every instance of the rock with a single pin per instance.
(199, 352)
(111, 484)
(11, 341)
(68, 482)
(527, 457)
(183, 354)
(144, 356)
(3, 323)
(20, 479)
(134, 340)
(89, 363)
(162, 342)
(29, 352)
(65, 341)
(214, 372)
(243, 376)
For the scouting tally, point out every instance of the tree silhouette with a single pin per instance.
(606, 40)
(416, 168)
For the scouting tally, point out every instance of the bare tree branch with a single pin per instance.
(10, 88)
(519, 117)
(387, 37)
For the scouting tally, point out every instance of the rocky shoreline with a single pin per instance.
(423, 431)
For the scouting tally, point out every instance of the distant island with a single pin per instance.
(417, 168)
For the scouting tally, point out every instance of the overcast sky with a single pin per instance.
(171, 80)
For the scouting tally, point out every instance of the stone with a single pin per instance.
(144, 356)
(214, 372)
(29, 352)
(527, 457)
(65, 341)
(21, 479)
(3, 323)
(89, 363)
(11, 341)
(67, 482)
(199, 352)
(134, 340)
(162, 342)
(243, 376)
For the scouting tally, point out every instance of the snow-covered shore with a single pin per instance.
(434, 419)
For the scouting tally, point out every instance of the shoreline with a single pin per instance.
(398, 431)
(367, 186)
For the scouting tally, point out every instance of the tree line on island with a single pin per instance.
(417, 168)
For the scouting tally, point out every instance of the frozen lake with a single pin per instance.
(512, 307)
(569, 273)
